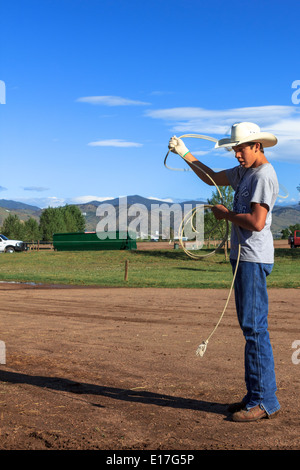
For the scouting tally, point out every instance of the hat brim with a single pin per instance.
(265, 138)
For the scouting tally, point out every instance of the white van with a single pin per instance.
(10, 246)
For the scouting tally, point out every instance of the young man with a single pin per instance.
(256, 189)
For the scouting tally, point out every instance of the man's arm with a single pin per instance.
(176, 145)
(219, 177)
(254, 221)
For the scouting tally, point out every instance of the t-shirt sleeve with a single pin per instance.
(263, 191)
(234, 176)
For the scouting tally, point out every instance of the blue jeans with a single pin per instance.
(252, 306)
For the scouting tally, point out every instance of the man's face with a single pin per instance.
(246, 155)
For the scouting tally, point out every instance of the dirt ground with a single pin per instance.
(116, 369)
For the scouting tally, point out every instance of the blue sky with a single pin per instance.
(95, 89)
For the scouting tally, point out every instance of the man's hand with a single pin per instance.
(176, 145)
(254, 221)
(220, 212)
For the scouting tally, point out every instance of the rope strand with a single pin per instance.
(202, 347)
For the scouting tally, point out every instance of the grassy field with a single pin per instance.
(163, 268)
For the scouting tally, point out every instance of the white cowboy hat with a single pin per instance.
(243, 132)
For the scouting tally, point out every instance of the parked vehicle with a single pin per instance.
(294, 240)
(10, 246)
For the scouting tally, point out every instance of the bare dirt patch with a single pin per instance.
(165, 245)
(115, 368)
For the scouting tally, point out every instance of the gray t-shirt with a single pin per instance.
(258, 185)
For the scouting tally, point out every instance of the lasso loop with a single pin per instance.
(202, 347)
(188, 217)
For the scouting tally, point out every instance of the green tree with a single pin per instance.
(74, 220)
(60, 220)
(286, 232)
(13, 228)
(51, 221)
(214, 228)
(31, 230)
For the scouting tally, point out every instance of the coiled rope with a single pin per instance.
(189, 218)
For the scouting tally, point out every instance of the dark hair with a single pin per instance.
(261, 148)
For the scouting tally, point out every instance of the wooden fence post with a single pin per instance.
(126, 271)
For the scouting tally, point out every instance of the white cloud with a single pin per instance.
(220, 119)
(44, 202)
(114, 143)
(111, 101)
(54, 201)
(200, 153)
(35, 188)
(86, 199)
(161, 199)
(283, 121)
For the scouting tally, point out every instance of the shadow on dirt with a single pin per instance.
(172, 254)
(78, 388)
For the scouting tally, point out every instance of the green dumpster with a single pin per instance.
(90, 241)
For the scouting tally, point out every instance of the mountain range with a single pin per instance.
(282, 216)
